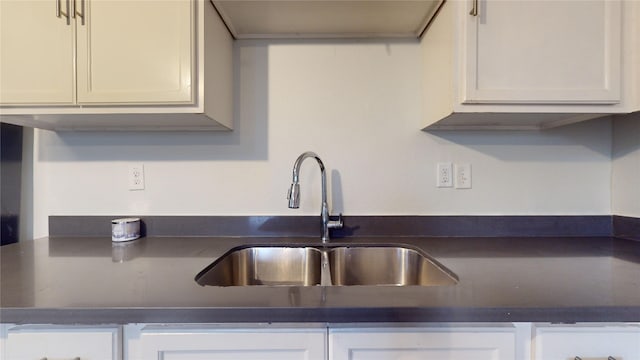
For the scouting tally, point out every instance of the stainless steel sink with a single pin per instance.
(332, 265)
(386, 265)
(265, 265)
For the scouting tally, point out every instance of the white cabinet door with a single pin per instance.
(136, 52)
(36, 53)
(423, 344)
(51, 342)
(179, 343)
(543, 52)
(587, 342)
(117, 52)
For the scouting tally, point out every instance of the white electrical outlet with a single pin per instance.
(444, 175)
(136, 176)
(463, 176)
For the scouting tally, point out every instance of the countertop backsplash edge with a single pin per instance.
(357, 226)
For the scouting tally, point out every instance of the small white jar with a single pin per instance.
(126, 229)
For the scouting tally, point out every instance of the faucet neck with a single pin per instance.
(323, 175)
(294, 195)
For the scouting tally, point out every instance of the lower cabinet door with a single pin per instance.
(575, 342)
(423, 344)
(31, 342)
(179, 343)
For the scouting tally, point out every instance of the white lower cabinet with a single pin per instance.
(442, 342)
(591, 342)
(49, 342)
(216, 343)
(437, 343)
(446, 341)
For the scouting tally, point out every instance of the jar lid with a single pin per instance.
(124, 220)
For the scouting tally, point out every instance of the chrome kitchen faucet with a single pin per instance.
(294, 195)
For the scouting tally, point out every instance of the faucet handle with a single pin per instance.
(336, 224)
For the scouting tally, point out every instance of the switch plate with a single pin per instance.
(463, 176)
(444, 175)
(136, 176)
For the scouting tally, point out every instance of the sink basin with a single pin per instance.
(265, 265)
(386, 265)
(331, 265)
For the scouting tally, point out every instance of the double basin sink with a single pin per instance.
(326, 265)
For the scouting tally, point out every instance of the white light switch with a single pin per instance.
(463, 176)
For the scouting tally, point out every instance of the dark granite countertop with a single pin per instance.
(86, 280)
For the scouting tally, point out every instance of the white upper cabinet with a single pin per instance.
(526, 64)
(543, 52)
(131, 52)
(115, 65)
(135, 52)
(36, 53)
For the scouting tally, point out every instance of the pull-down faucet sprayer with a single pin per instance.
(294, 195)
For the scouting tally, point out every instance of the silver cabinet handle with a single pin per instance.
(68, 14)
(474, 12)
(60, 13)
(75, 358)
(80, 13)
(608, 358)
